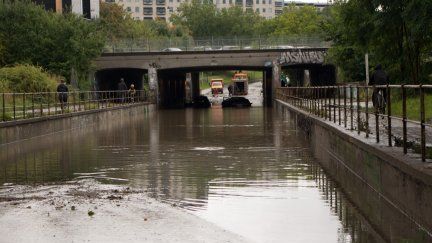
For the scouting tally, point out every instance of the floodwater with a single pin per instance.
(245, 170)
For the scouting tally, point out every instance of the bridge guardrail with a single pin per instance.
(19, 106)
(212, 44)
(400, 115)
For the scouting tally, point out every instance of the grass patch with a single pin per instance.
(413, 107)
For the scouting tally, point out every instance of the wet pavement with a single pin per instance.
(255, 95)
(245, 171)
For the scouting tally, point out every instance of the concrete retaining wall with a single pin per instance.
(392, 190)
(16, 131)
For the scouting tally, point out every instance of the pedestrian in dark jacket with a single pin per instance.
(122, 88)
(62, 91)
(379, 77)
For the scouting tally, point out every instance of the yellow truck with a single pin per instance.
(216, 86)
(240, 84)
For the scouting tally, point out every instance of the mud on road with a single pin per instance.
(92, 212)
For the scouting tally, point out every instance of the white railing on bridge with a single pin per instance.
(212, 44)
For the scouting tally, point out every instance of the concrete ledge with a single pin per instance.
(15, 131)
(393, 155)
(65, 115)
(383, 182)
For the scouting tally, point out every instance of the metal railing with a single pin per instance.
(401, 121)
(19, 106)
(212, 44)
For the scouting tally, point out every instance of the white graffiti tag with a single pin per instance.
(302, 57)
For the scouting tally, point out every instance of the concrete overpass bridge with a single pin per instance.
(170, 72)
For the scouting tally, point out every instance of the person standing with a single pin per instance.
(379, 77)
(230, 89)
(62, 91)
(132, 92)
(122, 88)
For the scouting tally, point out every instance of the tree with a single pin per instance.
(397, 33)
(237, 22)
(294, 21)
(204, 20)
(200, 18)
(58, 43)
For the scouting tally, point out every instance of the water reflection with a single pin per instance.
(243, 169)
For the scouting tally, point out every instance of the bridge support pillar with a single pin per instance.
(267, 87)
(188, 89)
(153, 84)
(195, 85)
(192, 87)
(276, 83)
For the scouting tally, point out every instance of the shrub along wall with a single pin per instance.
(26, 78)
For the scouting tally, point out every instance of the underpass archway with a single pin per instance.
(311, 74)
(174, 86)
(108, 79)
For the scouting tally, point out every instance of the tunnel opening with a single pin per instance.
(180, 87)
(307, 75)
(108, 79)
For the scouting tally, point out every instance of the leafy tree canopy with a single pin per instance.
(58, 43)
(294, 21)
(205, 20)
(396, 33)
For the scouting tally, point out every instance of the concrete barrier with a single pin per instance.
(392, 190)
(17, 131)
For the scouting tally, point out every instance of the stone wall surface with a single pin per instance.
(392, 190)
(18, 131)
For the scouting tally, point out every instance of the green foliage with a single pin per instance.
(117, 24)
(25, 78)
(193, 14)
(294, 21)
(237, 22)
(397, 34)
(205, 20)
(4, 86)
(56, 42)
(113, 20)
(162, 29)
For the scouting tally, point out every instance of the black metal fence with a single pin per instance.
(18, 106)
(395, 115)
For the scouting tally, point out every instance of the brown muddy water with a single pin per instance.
(245, 170)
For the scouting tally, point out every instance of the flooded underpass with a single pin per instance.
(246, 171)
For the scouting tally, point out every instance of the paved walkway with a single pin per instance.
(368, 123)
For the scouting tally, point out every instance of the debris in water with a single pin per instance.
(73, 208)
(112, 197)
(90, 213)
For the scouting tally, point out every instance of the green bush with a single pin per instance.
(4, 86)
(26, 78)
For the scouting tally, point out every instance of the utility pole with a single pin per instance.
(367, 68)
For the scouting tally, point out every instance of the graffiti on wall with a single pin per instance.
(302, 57)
